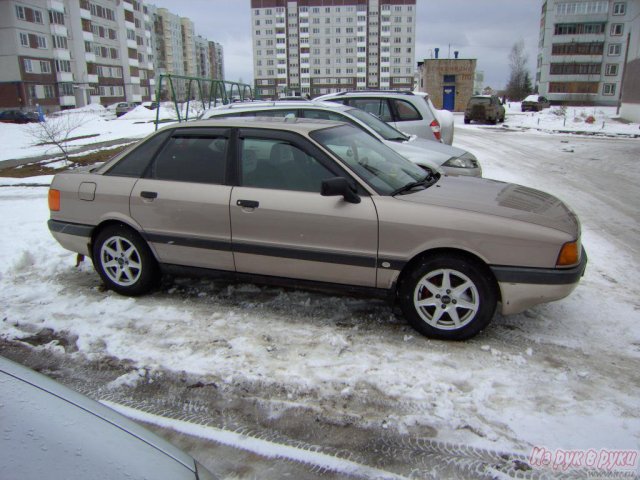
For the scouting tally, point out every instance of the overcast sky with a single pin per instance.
(481, 29)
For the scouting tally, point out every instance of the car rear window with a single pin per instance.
(480, 101)
(376, 106)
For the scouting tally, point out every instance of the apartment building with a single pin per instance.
(68, 53)
(322, 46)
(630, 101)
(216, 59)
(583, 49)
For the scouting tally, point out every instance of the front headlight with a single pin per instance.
(466, 160)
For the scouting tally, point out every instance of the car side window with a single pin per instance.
(135, 163)
(277, 164)
(272, 113)
(200, 159)
(378, 106)
(406, 112)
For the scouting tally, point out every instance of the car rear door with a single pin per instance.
(282, 226)
(182, 202)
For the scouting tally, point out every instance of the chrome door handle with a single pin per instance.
(248, 203)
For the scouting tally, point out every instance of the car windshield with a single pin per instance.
(480, 101)
(378, 165)
(383, 129)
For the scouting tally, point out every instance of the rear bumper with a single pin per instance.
(72, 236)
(523, 287)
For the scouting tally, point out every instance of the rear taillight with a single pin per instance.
(54, 200)
(435, 128)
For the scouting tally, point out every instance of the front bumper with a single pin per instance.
(523, 287)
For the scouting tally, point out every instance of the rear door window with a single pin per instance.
(190, 158)
(377, 106)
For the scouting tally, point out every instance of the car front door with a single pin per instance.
(182, 202)
(282, 226)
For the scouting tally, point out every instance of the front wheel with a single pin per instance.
(448, 297)
(124, 261)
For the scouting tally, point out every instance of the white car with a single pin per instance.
(428, 154)
(411, 112)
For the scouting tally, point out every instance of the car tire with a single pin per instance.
(467, 120)
(124, 261)
(448, 297)
(493, 121)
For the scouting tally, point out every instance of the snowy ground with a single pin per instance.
(95, 124)
(562, 375)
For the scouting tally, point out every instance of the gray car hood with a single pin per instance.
(501, 199)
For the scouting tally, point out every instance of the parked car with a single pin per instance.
(150, 105)
(50, 431)
(428, 154)
(409, 112)
(124, 107)
(315, 203)
(17, 116)
(484, 108)
(534, 103)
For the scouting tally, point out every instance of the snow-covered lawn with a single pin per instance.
(561, 375)
(586, 120)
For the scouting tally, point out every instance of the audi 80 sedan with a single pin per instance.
(319, 204)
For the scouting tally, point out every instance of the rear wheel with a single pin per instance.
(467, 120)
(124, 261)
(448, 297)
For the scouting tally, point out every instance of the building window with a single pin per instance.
(24, 39)
(615, 49)
(56, 17)
(49, 91)
(28, 67)
(609, 89)
(619, 8)
(611, 69)
(20, 12)
(45, 66)
(65, 88)
(617, 29)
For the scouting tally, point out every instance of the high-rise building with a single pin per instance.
(216, 58)
(583, 49)
(68, 53)
(322, 46)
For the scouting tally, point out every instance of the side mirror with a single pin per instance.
(332, 187)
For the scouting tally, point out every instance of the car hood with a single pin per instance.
(507, 200)
(442, 148)
(419, 155)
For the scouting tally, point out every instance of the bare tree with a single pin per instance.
(519, 85)
(56, 130)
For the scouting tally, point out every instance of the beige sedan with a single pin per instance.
(318, 204)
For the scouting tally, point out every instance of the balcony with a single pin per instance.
(85, 14)
(90, 57)
(133, 62)
(136, 97)
(64, 77)
(94, 98)
(67, 101)
(152, 82)
(58, 30)
(56, 5)
(127, 6)
(135, 80)
(60, 54)
(92, 78)
(131, 43)
(87, 36)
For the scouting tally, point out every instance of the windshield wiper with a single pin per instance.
(411, 185)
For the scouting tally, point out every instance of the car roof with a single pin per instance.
(298, 125)
(375, 93)
(284, 104)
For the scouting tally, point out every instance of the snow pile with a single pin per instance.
(585, 120)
